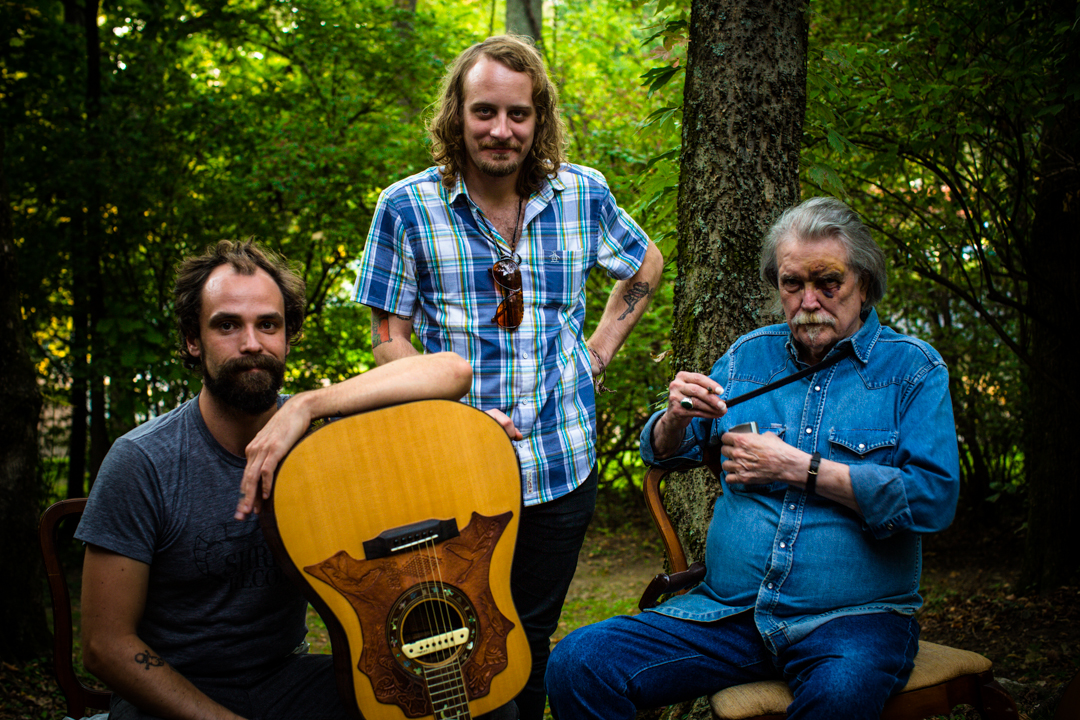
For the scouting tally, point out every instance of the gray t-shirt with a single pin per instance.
(217, 606)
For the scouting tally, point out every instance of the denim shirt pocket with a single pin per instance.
(854, 446)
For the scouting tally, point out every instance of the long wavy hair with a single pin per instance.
(447, 127)
(246, 257)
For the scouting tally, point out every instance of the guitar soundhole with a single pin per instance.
(430, 625)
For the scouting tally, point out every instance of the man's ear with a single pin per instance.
(193, 347)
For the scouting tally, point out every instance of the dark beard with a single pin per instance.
(251, 393)
(504, 169)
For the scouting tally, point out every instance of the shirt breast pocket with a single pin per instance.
(857, 446)
(563, 275)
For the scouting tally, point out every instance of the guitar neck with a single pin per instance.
(446, 690)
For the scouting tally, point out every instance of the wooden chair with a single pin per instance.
(943, 677)
(79, 697)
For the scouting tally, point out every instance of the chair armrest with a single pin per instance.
(672, 547)
(668, 584)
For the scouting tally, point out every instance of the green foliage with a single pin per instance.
(283, 121)
(929, 117)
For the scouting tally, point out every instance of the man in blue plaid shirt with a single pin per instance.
(487, 255)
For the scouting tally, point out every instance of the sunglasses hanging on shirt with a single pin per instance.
(507, 276)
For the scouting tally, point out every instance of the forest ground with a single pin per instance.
(969, 581)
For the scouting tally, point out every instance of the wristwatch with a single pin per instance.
(811, 474)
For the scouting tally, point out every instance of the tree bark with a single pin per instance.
(23, 631)
(526, 17)
(743, 108)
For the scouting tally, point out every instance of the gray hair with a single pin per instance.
(826, 217)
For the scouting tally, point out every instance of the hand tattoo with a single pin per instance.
(633, 295)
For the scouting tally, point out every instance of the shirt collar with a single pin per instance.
(458, 190)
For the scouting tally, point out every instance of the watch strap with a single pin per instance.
(812, 473)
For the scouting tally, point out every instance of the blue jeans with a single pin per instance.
(846, 668)
(303, 686)
(545, 558)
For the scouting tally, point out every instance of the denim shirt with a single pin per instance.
(798, 560)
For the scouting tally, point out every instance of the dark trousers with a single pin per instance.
(545, 558)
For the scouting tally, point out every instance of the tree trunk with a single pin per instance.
(526, 17)
(23, 632)
(1052, 420)
(743, 108)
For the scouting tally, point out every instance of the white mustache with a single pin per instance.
(812, 318)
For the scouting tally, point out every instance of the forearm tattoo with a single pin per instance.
(380, 328)
(149, 660)
(634, 295)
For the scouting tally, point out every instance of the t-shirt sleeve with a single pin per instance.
(123, 511)
(387, 276)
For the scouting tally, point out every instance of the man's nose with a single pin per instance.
(810, 299)
(501, 127)
(249, 340)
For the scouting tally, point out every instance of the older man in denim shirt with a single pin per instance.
(814, 551)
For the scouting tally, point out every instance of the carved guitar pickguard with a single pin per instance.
(373, 587)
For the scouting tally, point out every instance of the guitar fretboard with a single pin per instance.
(446, 689)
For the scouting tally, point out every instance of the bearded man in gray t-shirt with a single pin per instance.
(185, 613)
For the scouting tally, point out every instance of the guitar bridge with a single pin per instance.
(444, 641)
(408, 537)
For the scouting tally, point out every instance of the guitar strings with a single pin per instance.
(455, 657)
(440, 625)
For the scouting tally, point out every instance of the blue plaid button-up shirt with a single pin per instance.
(428, 257)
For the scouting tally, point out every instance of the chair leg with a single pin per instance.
(996, 703)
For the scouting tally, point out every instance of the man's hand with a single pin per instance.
(752, 459)
(266, 451)
(690, 395)
(506, 423)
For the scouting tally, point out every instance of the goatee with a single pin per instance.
(249, 392)
(496, 168)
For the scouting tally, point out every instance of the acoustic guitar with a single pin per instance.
(399, 524)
